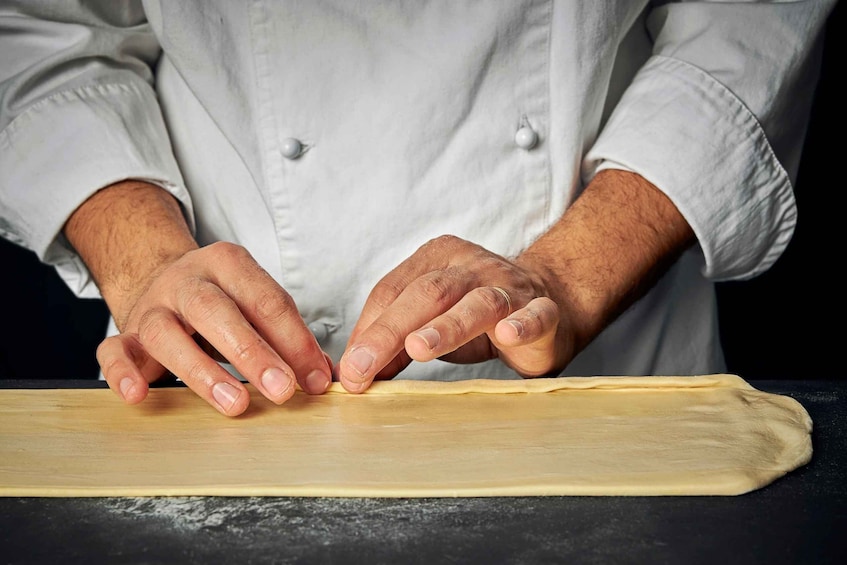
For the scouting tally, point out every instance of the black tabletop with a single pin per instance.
(800, 518)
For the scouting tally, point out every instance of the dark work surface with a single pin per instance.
(801, 518)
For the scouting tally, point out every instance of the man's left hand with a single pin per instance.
(459, 302)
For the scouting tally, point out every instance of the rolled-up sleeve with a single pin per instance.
(716, 119)
(78, 112)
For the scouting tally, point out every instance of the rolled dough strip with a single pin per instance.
(705, 435)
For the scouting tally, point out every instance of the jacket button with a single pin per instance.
(526, 138)
(291, 148)
(319, 330)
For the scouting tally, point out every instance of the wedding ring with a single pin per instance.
(506, 296)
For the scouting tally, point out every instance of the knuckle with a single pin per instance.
(454, 326)
(153, 327)
(227, 250)
(447, 240)
(103, 350)
(487, 261)
(386, 292)
(493, 300)
(248, 351)
(195, 372)
(200, 302)
(532, 321)
(386, 332)
(229, 254)
(110, 366)
(436, 288)
(543, 311)
(501, 269)
(440, 245)
(272, 307)
(106, 357)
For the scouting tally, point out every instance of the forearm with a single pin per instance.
(125, 233)
(609, 248)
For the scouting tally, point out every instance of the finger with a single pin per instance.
(394, 367)
(381, 341)
(271, 311)
(476, 350)
(526, 340)
(164, 338)
(382, 296)
(434, 255)
(214, 315)
(475, 314)
(127, 368)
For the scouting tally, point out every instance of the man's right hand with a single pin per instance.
(167, 296)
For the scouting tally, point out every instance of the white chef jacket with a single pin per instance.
(407, 113)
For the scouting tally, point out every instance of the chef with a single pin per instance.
(287, 193)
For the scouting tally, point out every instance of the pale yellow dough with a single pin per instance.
(706, 435)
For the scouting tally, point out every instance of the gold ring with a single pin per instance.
(506, 296)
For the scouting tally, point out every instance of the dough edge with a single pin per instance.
(550, 384)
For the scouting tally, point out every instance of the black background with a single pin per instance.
(784, 324)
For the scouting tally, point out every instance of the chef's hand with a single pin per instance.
(179, 307)
(457, 301)
(218, 295)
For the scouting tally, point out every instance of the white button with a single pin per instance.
(291, 148)
(526, 138)
(319, 330)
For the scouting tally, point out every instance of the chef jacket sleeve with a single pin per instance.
(77, 113)
(716, 119)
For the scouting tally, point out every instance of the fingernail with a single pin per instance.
(225, 394)
(317, 382)
(361, 360)
(275, 381)
(517, 325)
(430, 336)
(126, 385)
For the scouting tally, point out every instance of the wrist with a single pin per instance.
(608, 250)
(126, 234)
(580, 308)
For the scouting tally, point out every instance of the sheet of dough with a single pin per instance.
(707, 435)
